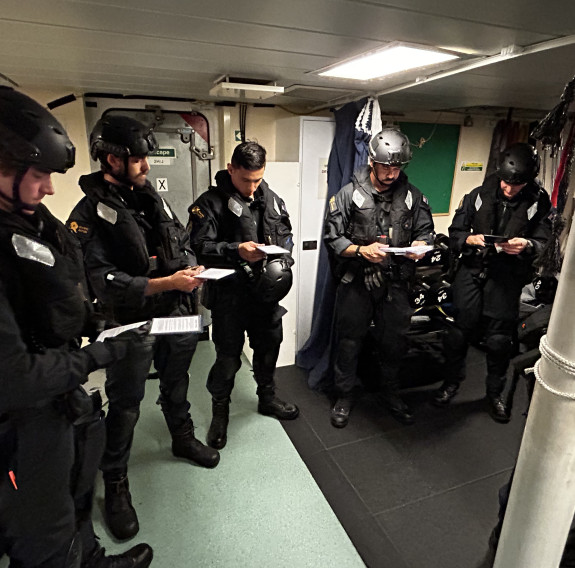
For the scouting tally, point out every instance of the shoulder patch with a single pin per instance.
(409, 200)
(235, 207)
(107, 213)
(197, 212)
(531, 211)
(425, 200)
(77, 228)
(167, 209)
(358, 198)
(332, 204)
(32, 250)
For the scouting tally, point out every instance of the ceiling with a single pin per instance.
(518, 53)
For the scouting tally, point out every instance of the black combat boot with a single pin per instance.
(443, 395)
(497, 409)
(340, 412)
(139, 556)
(120, 515)
(218, 432)
(271, 405)
(398, 408)
(186, 445)
(390, 398)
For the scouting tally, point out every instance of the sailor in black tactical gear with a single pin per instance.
(228, 223)
(139, 266)
(51, 430)
(497, 231)
(378, 208)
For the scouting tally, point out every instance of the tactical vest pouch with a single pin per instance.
(208, 295)
(89, 442)
(169, 253)
(347, 271)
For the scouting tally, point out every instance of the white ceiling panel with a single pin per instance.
(178, 48)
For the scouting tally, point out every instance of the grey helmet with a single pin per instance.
(519, 164)
(390, 147)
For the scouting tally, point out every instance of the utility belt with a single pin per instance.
(77, 405)
(389, 270)
(476, 259)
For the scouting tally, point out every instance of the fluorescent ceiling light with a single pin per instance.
(386, 61)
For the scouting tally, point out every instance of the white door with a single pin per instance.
(316, 137)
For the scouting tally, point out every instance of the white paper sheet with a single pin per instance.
(273, 249)
(117, 330)
(185, 324)
(215, 273)
(421, 249)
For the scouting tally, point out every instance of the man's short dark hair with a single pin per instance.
(8, 164)
(249, 155)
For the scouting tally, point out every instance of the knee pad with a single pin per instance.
(229, 363)
(455, 339)
(499, 345)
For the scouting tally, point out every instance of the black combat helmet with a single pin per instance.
(519, 164)
(275, 281)
(121, 136)
(390, 147)
(31, 136)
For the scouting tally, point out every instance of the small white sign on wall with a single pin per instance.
(161, 184)
(162, 157)
(157, 161)
(322, 181)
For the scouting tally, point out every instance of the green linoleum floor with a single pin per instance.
(260, 507)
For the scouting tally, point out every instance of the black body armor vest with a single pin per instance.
(43, 274)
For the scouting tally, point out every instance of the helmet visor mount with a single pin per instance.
(390, 147)
(121, 136)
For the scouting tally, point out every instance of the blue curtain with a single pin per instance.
(315, 354)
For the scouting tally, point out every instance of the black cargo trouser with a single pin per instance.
(472, 325)
(49, 500)
(233, 314)
(125, 388)
(355, 308)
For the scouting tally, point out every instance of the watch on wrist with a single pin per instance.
(357, 253)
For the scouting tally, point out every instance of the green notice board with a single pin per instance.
(433, 166)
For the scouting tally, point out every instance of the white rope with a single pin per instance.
(559, 361)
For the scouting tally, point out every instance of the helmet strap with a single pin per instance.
(122, 177)
(17, 204)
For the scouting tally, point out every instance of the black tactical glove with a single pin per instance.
(104, 353)
(373, 277)
(112, 349)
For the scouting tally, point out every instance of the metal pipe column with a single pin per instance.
(542, 500)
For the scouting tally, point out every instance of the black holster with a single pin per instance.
(79, 406)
